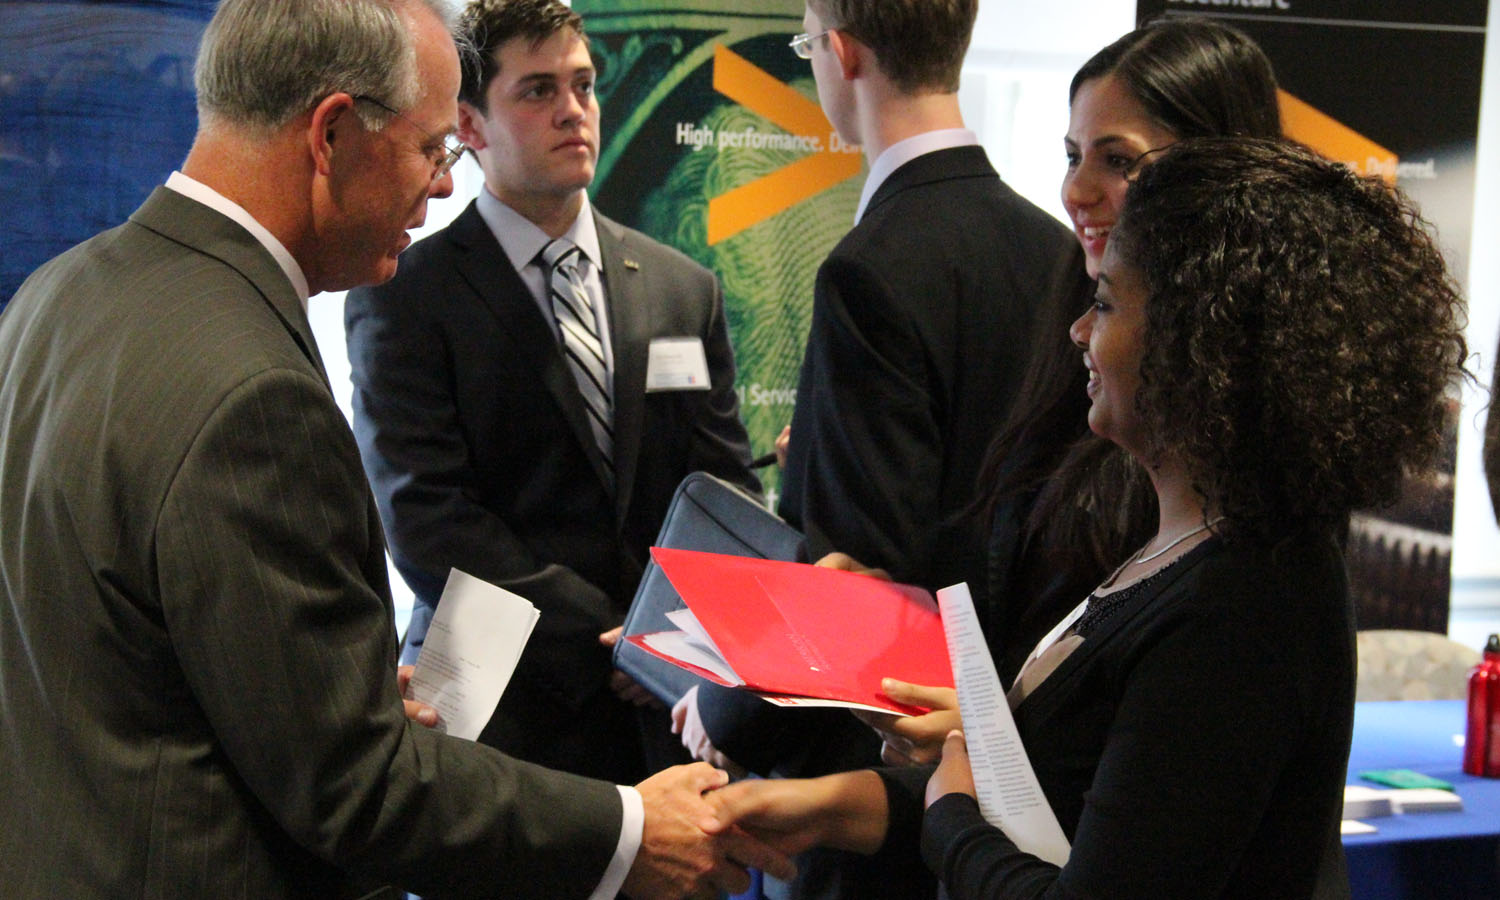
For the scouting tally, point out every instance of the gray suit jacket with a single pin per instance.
(196, 645)
(476, 440)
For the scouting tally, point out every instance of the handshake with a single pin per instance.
(691, 845)
(701, 835)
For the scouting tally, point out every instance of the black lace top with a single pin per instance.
(1101, 608)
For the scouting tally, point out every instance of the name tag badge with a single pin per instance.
(676, 364)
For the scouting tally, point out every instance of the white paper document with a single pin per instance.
(1361, 802)
(693, 645)
(1009, 796)
(472, 646)
(1420, 800)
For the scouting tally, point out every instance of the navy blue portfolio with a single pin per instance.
(713, 516)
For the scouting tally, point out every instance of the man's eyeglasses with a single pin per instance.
(452, 148)
(802, 43)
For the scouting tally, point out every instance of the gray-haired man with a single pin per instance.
(197, 655)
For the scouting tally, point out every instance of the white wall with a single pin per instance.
(1476, 541)
(1015, 95)
(1015, 83)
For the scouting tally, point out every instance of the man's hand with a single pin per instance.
(622, 685)
(783, 441)
(847, 810)
(914, 740)
(420, 713)
(687, 850)
(687, 722)
(847, 563)
(953, 775)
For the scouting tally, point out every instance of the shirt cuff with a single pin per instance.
(632, 824)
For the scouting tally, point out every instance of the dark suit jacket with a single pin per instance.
(1194, 745)
(197, 651)
(921, 331)
(922, 325)
(475, 437)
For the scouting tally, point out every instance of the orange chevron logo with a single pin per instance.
(752, 87)
(749, 204)
(1303, 122)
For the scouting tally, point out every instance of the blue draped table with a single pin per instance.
(1452, 856)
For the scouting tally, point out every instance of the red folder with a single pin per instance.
(793, 628)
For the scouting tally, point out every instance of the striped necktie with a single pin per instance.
(577, 327)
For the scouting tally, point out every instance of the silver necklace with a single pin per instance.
(1138, 558)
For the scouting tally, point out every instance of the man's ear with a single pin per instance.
(849, 52)
(333, 115)
(470, 125)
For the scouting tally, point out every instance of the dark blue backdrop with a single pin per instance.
(96, 109)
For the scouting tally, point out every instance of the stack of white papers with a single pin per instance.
(472, 646)
(1362, 802)
(1010, 798)
(1418, 800)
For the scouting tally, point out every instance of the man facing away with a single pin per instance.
(197, 654)
(532, 386)
(922, 319)
(923, 313)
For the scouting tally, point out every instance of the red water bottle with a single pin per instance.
(1482, 738)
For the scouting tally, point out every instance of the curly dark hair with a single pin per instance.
(1301, 330)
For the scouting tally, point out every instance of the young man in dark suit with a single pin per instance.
(527, 435)
(923, 313)
(923, 317)
(197, 653)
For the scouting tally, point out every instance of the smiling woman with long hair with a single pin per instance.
(1271, 340)
(1064, 507)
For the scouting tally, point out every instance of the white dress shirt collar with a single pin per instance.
(197, 190)
(902, 152)
(522, 240)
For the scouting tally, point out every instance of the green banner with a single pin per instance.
(713, 142)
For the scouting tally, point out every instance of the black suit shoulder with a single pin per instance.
(923, 320)
(952, 205)
(426, 269)
(638, 242)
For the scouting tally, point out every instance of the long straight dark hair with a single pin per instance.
(1196, 78)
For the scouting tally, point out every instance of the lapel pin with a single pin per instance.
(631, 264)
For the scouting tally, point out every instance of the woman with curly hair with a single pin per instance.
(1057, 499)
(1271, 340)
(1064, 506)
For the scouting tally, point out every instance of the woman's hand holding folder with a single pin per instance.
(914, 740)
(907, 740)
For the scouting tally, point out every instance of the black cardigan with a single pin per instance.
(1195, 746)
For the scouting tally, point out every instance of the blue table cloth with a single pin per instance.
(1451, 856)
